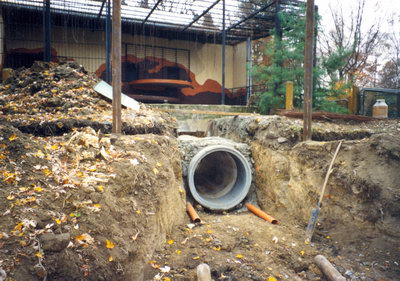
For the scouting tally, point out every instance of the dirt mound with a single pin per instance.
(51, 88)
(50, 99)
(85, 206)
(75, 202)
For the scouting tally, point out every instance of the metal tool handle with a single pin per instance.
(311, 224)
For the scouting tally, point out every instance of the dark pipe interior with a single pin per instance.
(215, 175)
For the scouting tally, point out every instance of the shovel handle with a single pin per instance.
(321, 196)
(311, 224)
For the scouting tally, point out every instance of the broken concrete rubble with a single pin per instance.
(55, 242)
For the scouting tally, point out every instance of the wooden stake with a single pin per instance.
(327, 268)
(308, 71)
(116, 66)
(203, 272)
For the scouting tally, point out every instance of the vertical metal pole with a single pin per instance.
(47, 30)
(249, 66)
(223, 53)
(308, 71)
(188, 75)
(126, 63)
(108, 42)
(116, 66)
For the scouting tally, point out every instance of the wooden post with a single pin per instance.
(308, 71)
(278, 38)
(116, 67)
(289, 95)
(327, 268)
(203, 272)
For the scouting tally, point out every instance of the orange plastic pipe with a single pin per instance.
(192, 213)
(261, 213)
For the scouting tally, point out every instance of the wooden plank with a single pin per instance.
(106, 90)
(222, 113)
(327, 116)
(116, 67)
(308, 71)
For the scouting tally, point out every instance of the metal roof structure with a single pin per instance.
(381, 90)
(200, 20)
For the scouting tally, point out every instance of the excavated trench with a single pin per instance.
(286, 176)
(247, 159)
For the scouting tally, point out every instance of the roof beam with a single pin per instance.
(266, 6)
(152, 10)
(101, 9)
(199, 16)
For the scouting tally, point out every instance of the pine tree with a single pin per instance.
(286, 58)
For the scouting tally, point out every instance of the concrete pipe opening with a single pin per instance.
(219, 177)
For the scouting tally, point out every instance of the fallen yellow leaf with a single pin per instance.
(170, 242)
(217, 248)
(302, 253)
(21, 202)
(166, 279)
(100, 188)
(10, 197)
(85, 237)
(196, 258)
(155, 171)
(19, 226)
(46, 172)
(178, 252)
(239, 256)
(12, 137)
(39, 154)
(9, 177)
(110, 258)
(58, 221)
(37, 189)
(109, 244)
(272, 278)
(39, 254)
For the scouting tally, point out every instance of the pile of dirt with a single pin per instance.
(50, 99)
(77, 203)
(46, 89)
(85, 205)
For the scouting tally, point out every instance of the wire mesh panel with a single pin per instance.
(243, 18)
(368, 97)
(158, 62)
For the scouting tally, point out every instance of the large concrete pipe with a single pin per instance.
(219, 177)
